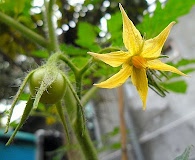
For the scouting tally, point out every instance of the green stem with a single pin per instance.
(79, 127)
(84, 140)
(79, 105)
(28, 33)
(54, 46)
(86, 66)
(78, 78)
(69, 63)
(71, 107)
(78, 73)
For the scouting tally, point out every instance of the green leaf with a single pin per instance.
(115, 23)
(115, 29)
(80, 61)
(94, 2)
(186, 71)
(186, 65)
(179, 86)
(19, 6)
(104, 69)
(115, 146)
(72, 50)
(16, 7)
(152, 25)
(7, 5)
(185, 155)
(114, 132)
(183, 62)
(87, 34)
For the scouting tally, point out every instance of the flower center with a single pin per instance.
(139, 62)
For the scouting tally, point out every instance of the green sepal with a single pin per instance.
(25, 115)
(16, 99)
(48, 79)
(63, 120)
(80, 109)
(153, 83)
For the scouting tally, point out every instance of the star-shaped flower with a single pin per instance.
(141, 55)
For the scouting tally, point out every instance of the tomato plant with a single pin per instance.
(54, 92)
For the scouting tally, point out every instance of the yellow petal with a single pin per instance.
(114, 59)
(140, 81)
(131, 36)
(153, 47)
(158, 65)
(117, 79)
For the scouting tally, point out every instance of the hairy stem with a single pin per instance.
(80, 107)
(84, 139)
(79, 127)
(69, 63)
(78, 78)
(71, 106)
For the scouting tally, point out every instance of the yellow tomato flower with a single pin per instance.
(141, 55)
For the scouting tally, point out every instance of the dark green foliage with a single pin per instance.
(162, 16)
(87, 34)
(115, 29)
